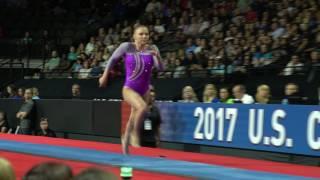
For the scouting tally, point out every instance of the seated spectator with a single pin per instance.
(210, 65)
(251, 15)
(180, 37)
(96, 70)
(313, 63)
(6, 170)
(204, 25)
(304, 45)
(169, 68)
(44, 129)
(72, 55)
(90, 46)
(159, 28)
(81, 49)
(98, 56)
(11, 92)
(263, 94)
(189, 60)
(277, 31)
(25, 113)
(101, 34)
(201, 46)
(193, 27)
(76, 91)
(216, 25)
(109, 37)
(53, 63)
(210, 94)
(76, 66)
(95, 174)
(190, 47)
(263, 58)
(84, 72)
(153, 6)
(188, 95)
(224, 96)
(218, 68)
(49, 170)
(4, 126)
(179, 70)
(196, 70)
(292, 95)
(293, 67)
(242, 68)
(21, 92)
(105, 56)
(173, 25)
(239, 92)
(35, 93)
(27, 39)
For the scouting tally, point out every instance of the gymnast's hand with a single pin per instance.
(103, 80)
(153, 51)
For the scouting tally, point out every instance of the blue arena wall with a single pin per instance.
(277, 128)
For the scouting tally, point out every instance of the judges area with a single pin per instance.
(287, 133)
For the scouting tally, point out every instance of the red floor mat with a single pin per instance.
(250, 164)
(23, 162)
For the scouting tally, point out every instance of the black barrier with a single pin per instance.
(11, 107)
(106, 118)
(101, 118)
(167, 89)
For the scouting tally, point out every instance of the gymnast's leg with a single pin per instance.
(139, 107)
(126, 136)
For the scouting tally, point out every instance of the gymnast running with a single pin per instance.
(140, 57)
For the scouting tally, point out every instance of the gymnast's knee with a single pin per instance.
(142, 108)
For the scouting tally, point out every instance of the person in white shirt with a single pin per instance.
(239, 93)
(293, 66)
(90, 46)
(85, 71)
(153, 6)
(159, 28)
(188, 95)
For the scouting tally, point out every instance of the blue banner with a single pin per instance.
(277, 128)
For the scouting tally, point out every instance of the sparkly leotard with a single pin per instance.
(138, 65)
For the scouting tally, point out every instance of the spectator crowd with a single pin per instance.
(57, 171)
(207, 37)
(204, 38)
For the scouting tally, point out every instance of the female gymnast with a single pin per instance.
(140, 57)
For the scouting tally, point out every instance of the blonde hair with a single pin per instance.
(6, 171)
(193, 94)
(259, 97)
(35, 91)
(209, 97)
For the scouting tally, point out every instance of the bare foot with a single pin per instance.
(125, 145)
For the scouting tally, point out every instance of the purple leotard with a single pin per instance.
(138, 65)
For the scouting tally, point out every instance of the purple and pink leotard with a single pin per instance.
(138, 65)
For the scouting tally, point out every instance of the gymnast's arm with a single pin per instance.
(116, 55)
(157, 58)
